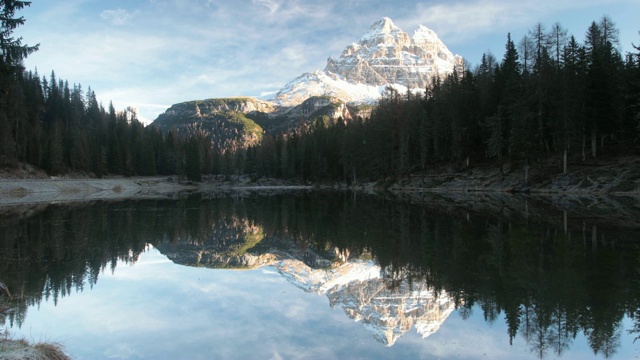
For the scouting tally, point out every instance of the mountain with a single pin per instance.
(241, 122)
(387, 309)
(361, 290)
(224, 120)
(385, 56)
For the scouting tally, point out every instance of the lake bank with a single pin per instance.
(617, 178)
(25, 191)
(620, 176)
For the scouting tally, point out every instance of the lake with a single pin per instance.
(324, 275)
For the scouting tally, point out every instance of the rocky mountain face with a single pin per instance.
(385, 56)
(225, 245)
(241, 122)
(227, 121)
(358, 286)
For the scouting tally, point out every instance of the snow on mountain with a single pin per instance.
(321, 83)
(385, 56)
(359, 288)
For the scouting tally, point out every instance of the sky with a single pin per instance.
(150, 54)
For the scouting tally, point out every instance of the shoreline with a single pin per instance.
(612, 180)
(53, 190)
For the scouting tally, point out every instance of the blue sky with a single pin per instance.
(153, 53)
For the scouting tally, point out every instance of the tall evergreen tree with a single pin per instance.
(603, 81)
(634, 88)
(506, 88)
(192, 160)
(12, 53)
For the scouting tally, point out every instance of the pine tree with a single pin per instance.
(633, 92)
(12, 52)
(636, 94)
(604, 64)
(192, 160)
(506, 88)
(571, 122)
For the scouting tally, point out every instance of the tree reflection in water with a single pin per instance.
(552, 278)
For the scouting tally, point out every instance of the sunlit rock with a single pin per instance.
(385, 56)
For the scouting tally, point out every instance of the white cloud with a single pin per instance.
(460, 22)
(293, 10)
(268, 94)
(294, 53)
(272, 5)
(122, 351)
(118, 17)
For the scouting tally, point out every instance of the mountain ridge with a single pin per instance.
(385, 56)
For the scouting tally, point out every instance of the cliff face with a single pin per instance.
(387, 55)
(227, 121)
(320, 106)
(384, 56)
(209, 107)
(361, 290)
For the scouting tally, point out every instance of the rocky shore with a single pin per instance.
(612, 177)
(619, 177)
(26, 191)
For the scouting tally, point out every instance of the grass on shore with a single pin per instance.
(21, 349)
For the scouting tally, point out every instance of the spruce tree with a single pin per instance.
(12, 52)
(192, 160)
(633, 90)
(506, 89)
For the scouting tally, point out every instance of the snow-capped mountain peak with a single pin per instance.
(358, 287)
(384, 25)
(385, 32)
(426, 34)
(385, 56)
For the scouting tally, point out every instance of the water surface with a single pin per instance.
(322, 275)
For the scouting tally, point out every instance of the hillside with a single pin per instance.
(233, 123)
(223, 120)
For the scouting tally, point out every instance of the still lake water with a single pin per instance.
(317, 275)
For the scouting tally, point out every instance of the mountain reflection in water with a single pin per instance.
(388, 264)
